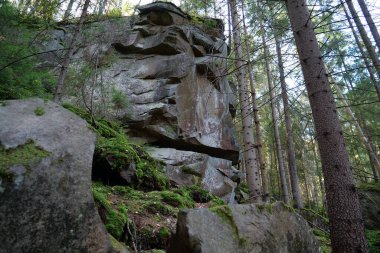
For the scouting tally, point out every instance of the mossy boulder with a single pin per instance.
(369, 196)
(45, 181)
(242, 228)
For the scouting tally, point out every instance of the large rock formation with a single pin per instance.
(242, 228)
(46, 203)
(173, 75)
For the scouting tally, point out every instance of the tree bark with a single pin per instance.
(256, 118)
(371, 24)
(280, 158)
(346, 222)
(252, 172)
(69, 54)
(367, 43)
(289, 131)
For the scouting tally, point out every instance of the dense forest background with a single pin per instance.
(272, 86)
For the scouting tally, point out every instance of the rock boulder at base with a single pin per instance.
(369, 196)
(242, 228)
(46, 203)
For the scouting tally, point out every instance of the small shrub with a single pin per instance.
(39, 111)
(119, 100)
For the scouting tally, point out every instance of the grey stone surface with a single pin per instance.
(369, 203)
(243, 228)
(47, 206)
(186, 168)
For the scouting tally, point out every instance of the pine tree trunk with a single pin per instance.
(280, 158)
(371, 24)
(69, 54)
(367, 43)
(346, 223)
(289, 131)
(252, 171)
(68, 10)
(256, 119)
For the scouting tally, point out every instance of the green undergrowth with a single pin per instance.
(324, 240)
(373, 186)
(317, 213)
(150, 216)
(373, 237)
(114, 146)
(25, 155)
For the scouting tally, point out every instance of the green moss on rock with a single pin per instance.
(115, 217)
(114, 146)
(39, 111)
(264, 207)
(190, 171)
(176, 200)
(26, 155)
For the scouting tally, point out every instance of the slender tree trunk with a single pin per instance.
(367, 43)
(252, 172)
(102, 6)
(346, 223)
(289, 131)
(69, 54)
(68, 10)
(281, 164)
(319, 174)
(315, 190)
(371, 24)
(229, 27)
(304, 175)
(362, 52)
(256, 118)
(363, 136)
(306, 187)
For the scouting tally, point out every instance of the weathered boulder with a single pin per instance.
(242, 228)
(46, 203)
(369, 196)
(185, 168)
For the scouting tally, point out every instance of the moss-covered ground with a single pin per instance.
(144, 218)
